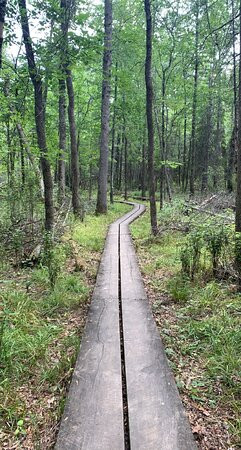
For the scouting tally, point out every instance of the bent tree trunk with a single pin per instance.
(149, 115)
(39, 117)
(101, 207)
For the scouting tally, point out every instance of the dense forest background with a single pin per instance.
(195, 92)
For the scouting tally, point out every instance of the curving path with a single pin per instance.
(123, 394)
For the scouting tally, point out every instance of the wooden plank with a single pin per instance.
(156, 415)
(93, 416)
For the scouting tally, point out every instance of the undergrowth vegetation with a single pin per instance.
(43, 312)
(191, 280)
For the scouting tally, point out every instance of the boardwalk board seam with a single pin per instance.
(123, 366)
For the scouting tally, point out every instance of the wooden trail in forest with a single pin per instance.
(123, 394)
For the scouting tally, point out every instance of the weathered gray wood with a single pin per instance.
(93, 416)
(156, 415)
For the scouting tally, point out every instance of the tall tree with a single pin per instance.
(66, 12)
(62, 140)
(238, 193)
(101, 207)
(194, 104)
(149, 116)
(39, 117)
(113, 137)
(2, 19)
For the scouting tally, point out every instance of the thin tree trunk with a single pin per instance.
(234, 138)
(75, 176)
(121, 162)
(143, 170)
(90, 182)
(39, 118)
(184, 169)
(34, 164)
(163, 141)
(113, 139)
(22, 160)
(206, 155)
(117, 152)
(101, 207)
(125, 155)
(149, 115)
(168, 185)
(65, 6)
(2, 19)
(194, 107)
(62, 141)
(238, 193)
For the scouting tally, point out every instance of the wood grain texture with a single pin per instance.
(93, 417)
(157, 420)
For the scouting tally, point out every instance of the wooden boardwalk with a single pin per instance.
(123, 395)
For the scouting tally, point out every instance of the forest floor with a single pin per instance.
(198, 319)
(41, 330)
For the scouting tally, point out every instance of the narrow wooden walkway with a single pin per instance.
(123, 394)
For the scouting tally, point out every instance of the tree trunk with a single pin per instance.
(184, 168)
(39, 118)
(2, 18)
(22, 159)
(163, 140)
(234, 143)
(113, 140)
(62, 141)
(90, 182)
(194, 107)
(101, 207)
(75, 176)
(125, 155)
(65, 6)
(238, 194)
(149, 115)
(143, 170)
(34, 164)
(121, 162)
(206, 152)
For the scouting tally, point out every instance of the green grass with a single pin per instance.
(40, 332)
(204, 323)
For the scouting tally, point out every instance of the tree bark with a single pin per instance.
(75, 175)
(194, 107)
(101, 207)
(238, 193)
(34, 164)
(113, 140)
(39, 117)
(234, 138)
(125, 155)
(143, 169)
(2, 19)
(206, 150)
(184, 169)
(65, 6)
(62, 141)
(149, 115)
